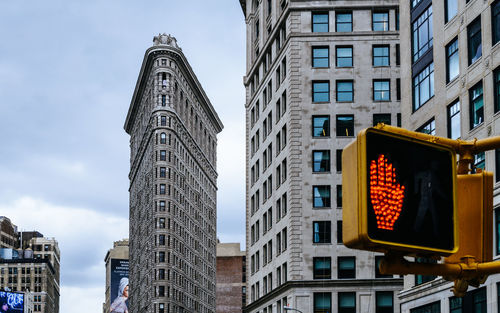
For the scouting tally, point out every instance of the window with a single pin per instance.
(474, 40)
(495, 21)
(378, 259)
(321, 232)
(321, 196)
(496, 89)
(398, 54)
(347, 302)
(163, 138)
(339, 233)
(381, 90)
(381, 118)
(321, 161)
(450, 10)
(339, 196)
(320, 22)
(321, 56)
(455, 305)
(339, 160)
(414, 3)
(346, 267)
(384, 302)
(428, 128)
(345, 91)
(380, 21)
(423, 86)
(476, 105)
(422, 34)
(497, 228)
(420, 279)
(380, 55)
(163, 121)
(322, 302)
(344, 56)
(479, 160)
(163, 155)
(454, 120)
(398, 89)
(345, 125)
(497, 166)
(322, 268)
(321, 91)
(163, 172)
(162, 189)
(321, 126)
(452, 61)
(343, 21)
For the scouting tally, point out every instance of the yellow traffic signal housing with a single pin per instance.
(399, 194)
(475, 217)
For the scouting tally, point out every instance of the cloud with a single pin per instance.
(84, 236)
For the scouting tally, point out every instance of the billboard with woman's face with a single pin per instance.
(11, 302)
(119, 286)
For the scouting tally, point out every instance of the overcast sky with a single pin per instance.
(67, 73)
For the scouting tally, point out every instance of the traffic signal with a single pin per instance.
(399, 194)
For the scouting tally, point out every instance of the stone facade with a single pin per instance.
(312, 83)
(449, 112)
(119, 251)
(173, 128)
(231, 277)
(32, 267)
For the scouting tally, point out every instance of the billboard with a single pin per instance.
(11, 302)
(119, 286)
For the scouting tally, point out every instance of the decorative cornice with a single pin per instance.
(170, 49)
(300, 284)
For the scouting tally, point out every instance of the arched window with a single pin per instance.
(163, 138)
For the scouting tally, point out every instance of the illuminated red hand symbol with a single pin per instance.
(386, 194)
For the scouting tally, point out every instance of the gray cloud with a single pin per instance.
(67, 73)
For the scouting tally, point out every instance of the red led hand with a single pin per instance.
(386, 194)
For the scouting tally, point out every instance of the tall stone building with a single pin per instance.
(115, 257)
(317, 73)
(30, 263)
(231, 278)
(173, 131)
(450, 81)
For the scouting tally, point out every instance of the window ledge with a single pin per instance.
(475, 63)
(321, 137)
(453, 81)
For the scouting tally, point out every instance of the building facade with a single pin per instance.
(450, 81)
(173, 140)
(117, 255)
(32, 267)
(317, 73)
(231, 278)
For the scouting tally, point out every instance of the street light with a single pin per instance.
(286, 308)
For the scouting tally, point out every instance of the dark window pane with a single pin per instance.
(321, 161)
(321, 126)
(495, 21)
(476, 105)
(454, 120)
(381, 118)
(322, 232)
(345, 125)
(322, 268)
(451, 9)
(452, 60)
(321, 196)
(384, 302)
(423, 86)
(346, 267)
(322, 302)
(347, 302)
(474, 40)
(422, 35)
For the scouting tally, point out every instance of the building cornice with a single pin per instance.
(147, 64)
(308, 284)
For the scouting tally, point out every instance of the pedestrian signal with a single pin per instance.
(399, 194)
